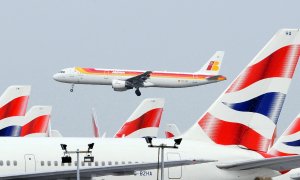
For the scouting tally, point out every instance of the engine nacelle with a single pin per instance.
(119, 85)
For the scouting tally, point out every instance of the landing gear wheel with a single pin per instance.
(138, 92)
(72, 88)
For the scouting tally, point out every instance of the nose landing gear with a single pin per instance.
(72, 88)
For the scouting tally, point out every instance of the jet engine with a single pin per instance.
(119, 85)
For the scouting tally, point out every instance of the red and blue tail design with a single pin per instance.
(34, 123)
(289, 142)
(247, 112)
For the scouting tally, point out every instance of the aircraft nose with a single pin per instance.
(57, 77)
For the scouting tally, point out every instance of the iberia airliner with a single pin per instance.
(122, 80)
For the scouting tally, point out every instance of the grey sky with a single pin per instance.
(38, 38)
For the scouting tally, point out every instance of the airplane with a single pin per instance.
(128, 158)
(172, 131)
(122, 80)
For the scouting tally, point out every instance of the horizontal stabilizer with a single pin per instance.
(277, 163)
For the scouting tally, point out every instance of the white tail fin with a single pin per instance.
(103, 135)
(289, 142)
(144, 121)
(95, 124)
(55, 133)
(213, 65)
(247, 111)
(172, 131)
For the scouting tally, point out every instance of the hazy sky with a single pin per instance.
(38, 38)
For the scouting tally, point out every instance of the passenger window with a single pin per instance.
(42, 163)
(123, 162)
(89, 164)
(103, 163)
(15, 163)
(116, 163)
(75, 163)
(49, 163)
(70, 164)
(129, 162)
(1, 163)
(82, 163)
(96, 163)
(55, 163)
(109, 162)
(8, 163)
(62, 164)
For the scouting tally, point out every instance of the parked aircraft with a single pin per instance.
(122, 80)
(117, 156)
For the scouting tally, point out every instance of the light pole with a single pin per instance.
(162, 147)
(67, 158)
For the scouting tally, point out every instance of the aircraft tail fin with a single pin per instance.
(38, 118)
(172, 131)
(144, 121)
(289, 142)
(14, 100)
(213, 65)
(247, 112)
(95, 124)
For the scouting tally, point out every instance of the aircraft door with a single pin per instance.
(29, 163)
(174, 172)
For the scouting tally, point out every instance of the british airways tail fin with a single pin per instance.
(38, 119)
(289, 142)
(246, 113)
(13, 102)
(95, 124)
(144, 121)
(213, 65)
(172, 131)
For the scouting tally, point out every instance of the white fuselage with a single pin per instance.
(157, 78)
(44, 154)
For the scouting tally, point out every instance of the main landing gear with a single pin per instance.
(138, 92)
(72, 88)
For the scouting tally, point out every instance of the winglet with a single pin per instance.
(213, 65)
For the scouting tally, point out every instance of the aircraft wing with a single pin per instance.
(118, 170)
(137, 81)
(277, 163)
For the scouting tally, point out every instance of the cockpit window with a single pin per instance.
(62, 71)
